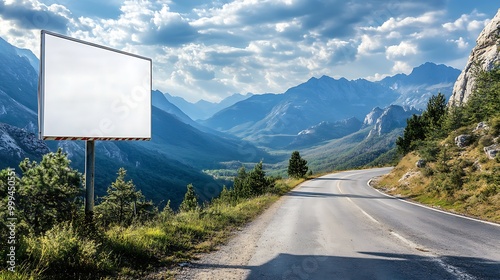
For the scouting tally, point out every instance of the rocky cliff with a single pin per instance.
(389, 119)
(485, 54)
(17, 144)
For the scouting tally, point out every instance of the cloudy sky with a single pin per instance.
(210, 49)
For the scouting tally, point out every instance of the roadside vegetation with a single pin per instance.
(128, 237)
(453, 173)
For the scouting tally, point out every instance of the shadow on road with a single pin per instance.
(372, 265)
(330, 179)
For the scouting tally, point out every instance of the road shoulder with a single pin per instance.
(231, 259)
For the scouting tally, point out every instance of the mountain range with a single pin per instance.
(336, 123)
(275, 120)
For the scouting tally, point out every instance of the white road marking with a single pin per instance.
(362, 211)
(460, 274)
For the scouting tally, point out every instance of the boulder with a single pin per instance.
(463, 140)
(492, 151)
(481, 128)
(421, 163)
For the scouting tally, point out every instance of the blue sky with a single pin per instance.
(211, 49)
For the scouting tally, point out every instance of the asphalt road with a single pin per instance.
(337, 227)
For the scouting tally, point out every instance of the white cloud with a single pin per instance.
(477, 25)
(369, 44)
(376, 77)
(401, 67)
(461, 43)
(458, 24)
(282, 26)
(393, 24)
(467, 22)
(400, 51)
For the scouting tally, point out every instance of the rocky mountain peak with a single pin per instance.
(391, 118)
(485, 54)
(371, 118)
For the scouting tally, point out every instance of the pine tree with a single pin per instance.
(49, 192)
(123, 202)
(166, 214)
(428, 125)
(414, 131)
(257, 180)
(252, 183)
(190, 201)
(454, 119)
(434, 114)
(297, 166)
(241, 186)
(484, 101)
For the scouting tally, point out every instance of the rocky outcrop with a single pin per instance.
(485, 54)
(492, 151)
(420, 163)
(481, 126)
(16, 144)
(463, 140)
(391, 118)
(481, 133)
(372, 117)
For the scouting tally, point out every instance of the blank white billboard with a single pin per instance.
(91, 92)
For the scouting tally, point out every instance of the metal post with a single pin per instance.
(89, 177)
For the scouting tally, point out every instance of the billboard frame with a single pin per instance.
(42, 95)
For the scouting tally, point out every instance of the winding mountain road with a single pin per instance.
(337, 227)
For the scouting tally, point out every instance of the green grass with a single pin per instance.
(22, 272)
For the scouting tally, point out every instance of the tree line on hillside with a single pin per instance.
(47, 199)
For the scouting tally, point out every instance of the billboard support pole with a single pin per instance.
(89, 178)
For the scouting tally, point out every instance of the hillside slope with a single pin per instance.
(462, 180)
